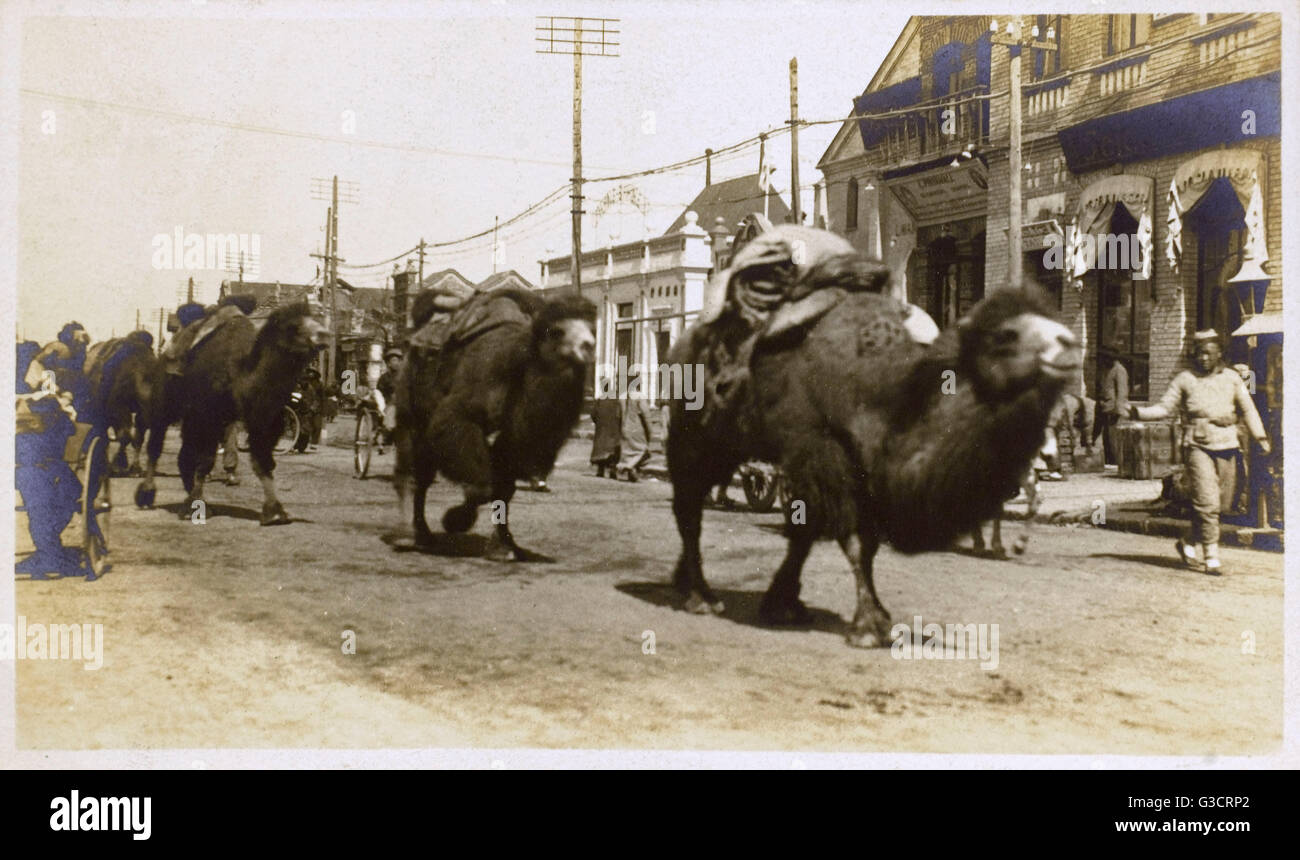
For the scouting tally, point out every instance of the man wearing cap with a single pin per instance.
(1210, 396)
(1111, 404)
(386, 385)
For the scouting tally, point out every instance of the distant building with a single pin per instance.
(648, 292)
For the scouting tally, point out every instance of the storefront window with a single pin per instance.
(1124, 312)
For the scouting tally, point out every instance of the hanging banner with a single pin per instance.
(1089, 242)
(1242, 168)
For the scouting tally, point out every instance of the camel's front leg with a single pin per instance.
(260, 445)
(871, 620)
(781, 603)
(147, 492)
(689, 492)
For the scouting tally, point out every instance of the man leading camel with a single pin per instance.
(1210, 396)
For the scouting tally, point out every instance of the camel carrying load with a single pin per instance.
(883, 430)
(487, 395)
(767, 296)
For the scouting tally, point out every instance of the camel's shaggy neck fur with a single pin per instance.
(272, 366)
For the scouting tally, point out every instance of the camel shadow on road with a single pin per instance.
(213, 509)
(1142, 558)
(741, 607)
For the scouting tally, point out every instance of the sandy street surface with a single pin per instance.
(228, 634)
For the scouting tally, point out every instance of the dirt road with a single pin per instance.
(227, 634)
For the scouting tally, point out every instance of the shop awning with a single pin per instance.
(1260, 324)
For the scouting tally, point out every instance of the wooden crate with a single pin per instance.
(1146, 450)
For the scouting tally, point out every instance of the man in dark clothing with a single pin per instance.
(607, 415)
(1112, 404)
(386, 387)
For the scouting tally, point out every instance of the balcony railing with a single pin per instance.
(935, 131)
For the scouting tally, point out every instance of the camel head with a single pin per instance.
(564, 332)
(293, 332)
(1009, 342)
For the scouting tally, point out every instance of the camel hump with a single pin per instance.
(487, 311)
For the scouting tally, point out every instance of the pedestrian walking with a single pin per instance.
(1112, 404)
(607, 415)
(1209, 397)
(635, 440)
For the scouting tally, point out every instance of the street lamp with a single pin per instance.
(1011, 38)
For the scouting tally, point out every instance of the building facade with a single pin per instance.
(1151, 186)
(650, 291)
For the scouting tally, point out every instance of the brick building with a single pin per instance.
(1131, 113)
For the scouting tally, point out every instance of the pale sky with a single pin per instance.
(96, 185)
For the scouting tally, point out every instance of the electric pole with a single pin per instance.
(794, 139)
(419, 284)
(331, 257)
(1011, 38)
(496, 221)
(577, 36)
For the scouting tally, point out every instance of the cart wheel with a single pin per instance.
(760, 487)
(96, 507)
(289, 436)
(361, 443)
(786, 493)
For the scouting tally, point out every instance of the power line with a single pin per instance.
(283, 132)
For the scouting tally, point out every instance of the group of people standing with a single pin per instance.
(621, 445)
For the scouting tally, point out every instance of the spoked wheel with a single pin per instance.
(759, 482)
(786, 493)
(362, 442)
(96, 507)
(289, 436)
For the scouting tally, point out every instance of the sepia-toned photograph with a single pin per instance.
(645, 384)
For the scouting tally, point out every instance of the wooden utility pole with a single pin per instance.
(331, 258)
(496, 221)
(162, 328)
(419, 284)
(334, 281)
(576, 36)
(764, 180)
(1011, 38)
(794, 139)
(708, 167)
(189, 295)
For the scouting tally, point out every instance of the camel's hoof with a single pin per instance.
(274, 514)
(459, 519)
(999, 553)
(873, 631)
(498, 550)
(865, 639)
(187, 507)
(423, 537)
(792, 613)
(1020, 546)
(697, 605)
(145, 498)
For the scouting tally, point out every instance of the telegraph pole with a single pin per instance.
(794, 139)
(1011, 38)
(331, 257)
(496, 221)
(577, 36)
(420, 282)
